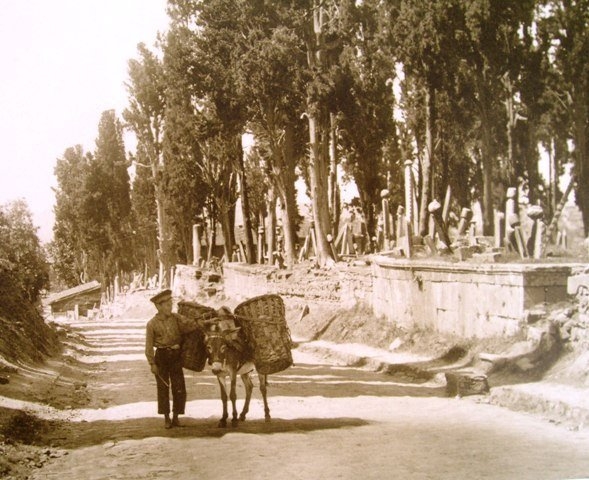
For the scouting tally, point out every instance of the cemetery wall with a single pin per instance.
(464, 299)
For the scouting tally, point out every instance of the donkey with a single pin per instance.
(230, 355)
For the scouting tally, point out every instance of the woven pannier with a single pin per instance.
(264, 323)
(194, 352)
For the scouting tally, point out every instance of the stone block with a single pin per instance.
(214, 278)
(534, 315)
(463, 253)
(211, 291)
(486, 257)
(466, 382)
(576, 281)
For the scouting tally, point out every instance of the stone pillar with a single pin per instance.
(472, 237)
(400, 222)
(260, 244)
(499, 230)
(535, 213)
(510, 209)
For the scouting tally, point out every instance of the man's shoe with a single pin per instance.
(175, 422)
(168, 423)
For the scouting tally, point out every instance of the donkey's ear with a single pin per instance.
(231, 331)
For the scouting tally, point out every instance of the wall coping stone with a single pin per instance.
(467, 267)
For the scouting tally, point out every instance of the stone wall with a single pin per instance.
(465, 299)
(345, 287)
(187, 285)
(83, 301)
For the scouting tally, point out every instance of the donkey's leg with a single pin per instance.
(223, 388)
(263, 389)
(233, 397)
(249, 386)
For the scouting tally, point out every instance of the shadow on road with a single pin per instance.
(85, 434)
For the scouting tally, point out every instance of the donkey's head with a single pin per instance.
(218, 345)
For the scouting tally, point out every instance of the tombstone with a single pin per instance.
(536, 213)
(464, 223)
(510, 209)
(499, 230)
(435, 209)
(517, 236)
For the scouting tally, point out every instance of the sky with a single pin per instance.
(62, 63)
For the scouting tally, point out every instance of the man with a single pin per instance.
(164, 334)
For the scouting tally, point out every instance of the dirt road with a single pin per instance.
(327, 422)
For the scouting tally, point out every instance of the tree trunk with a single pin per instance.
(164, 254)
(226, 229)
(270, 228)
(370, 217)
(319, 145)
(511, 121)
(245, 209)
(487, 172)
(212, 231)
(426, 164)
(318, 174)
(333, 190)
(284, 180)
(580, 119)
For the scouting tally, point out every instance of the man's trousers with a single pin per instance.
(169, 365)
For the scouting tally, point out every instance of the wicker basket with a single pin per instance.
(196, 311)
(194, 352)
(263, 321)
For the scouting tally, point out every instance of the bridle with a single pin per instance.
(219, 341)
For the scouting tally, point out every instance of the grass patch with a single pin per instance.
(23, 427)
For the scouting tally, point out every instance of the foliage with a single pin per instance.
(365, 122)
(67, 248)
(24, 335)
(564, 28)
(107, 204)
(144, 213)
(145, 118)
(25, 428)
(464, 89)
(22, 259)
(93, 236)
(185, 191)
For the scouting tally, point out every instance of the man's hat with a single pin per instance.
(162, 296)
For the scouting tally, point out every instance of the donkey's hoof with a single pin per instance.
(267, 418)
(222, 424)
(242, 417)
(234, 422)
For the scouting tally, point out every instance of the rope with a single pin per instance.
(248, 319)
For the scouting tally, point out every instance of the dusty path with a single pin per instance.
(327, 423)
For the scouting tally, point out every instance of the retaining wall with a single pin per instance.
(465, 299)
(344, 287)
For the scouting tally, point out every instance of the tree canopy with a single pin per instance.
(466, 92)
